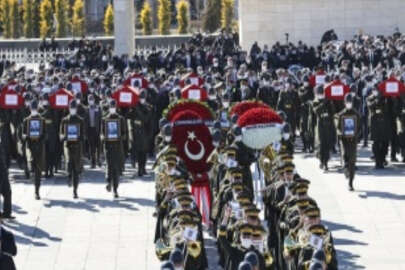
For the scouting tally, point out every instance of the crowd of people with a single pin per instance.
(290, 78)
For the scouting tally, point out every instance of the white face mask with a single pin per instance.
(78, 101)
(258, 244)
(142, 101)
(266, 83)
(215, 144)
(212, 97)
(320, 97)
(73, 111)
(27, 104)
(286, 136)
(225, 104)
(246, 242)
(168, 138)
(238, 138)
(45, 103)
(34, 112)
(113, 110)
(349, 105)
(178, 268)
(215, 64)
(91, 102)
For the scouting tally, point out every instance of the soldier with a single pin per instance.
(288, 102)
(306, 96)
(72, 133)
(8, 249)
(5, 188)
(324, 129)
(93, 131)
(113, 133)
(401, 125)
(51, 130)
(266, 92)
(137, 121)
(348, 127)
(380, 126)
(33, 132)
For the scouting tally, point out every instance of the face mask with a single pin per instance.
(320, 97)
(226, 104)
(34, 112)
(258, 244)
(168, 138)
(179, 268)
(73, 111)
(78, 102)
(215, 144)
(375, 92)
(286, 136)
(212, 97)
(113, 110)
(45, 103)
(200, 72)
(91, 102)
(266, 83)
(215, 64)
(27, 104)
(264, 68)
(349, 106)
(245, 242)
(231, 163)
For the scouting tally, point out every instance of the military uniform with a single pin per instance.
(73, 148)
(288, 102)
(52, 140)
(113, 150)
(8, 249)
(138, 119)
(348, 139)
(35, 148)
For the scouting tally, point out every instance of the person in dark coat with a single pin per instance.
(325, 128)
(8, 249)
(288, 102)
(34, 135)
(5, 188)
(138, 119)
(348, 129)
(113, 133)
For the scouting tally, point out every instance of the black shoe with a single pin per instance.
(116, 195)
(321, 166)
(326, 167)
(108, 188)
(351, 188)
(69, 181)
(385, 163)
(75, 195)
(46, 174)
(27, 174)
(37, 197)
(6, 216)
(93, 166)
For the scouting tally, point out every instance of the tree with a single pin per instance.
(36, 17)
(146, 19)
(164, 16)
(28, 18)
(227, 14)
(61, 14)
(78, 21)
(15, 18)
(212, 16)
(182, 16)
(5, 18)
(46, 14)
(109, 20)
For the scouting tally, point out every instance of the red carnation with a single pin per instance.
(199, 108)
(186, 115)
(243, 106)
(257, 116)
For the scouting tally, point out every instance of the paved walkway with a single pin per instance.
(96, 232)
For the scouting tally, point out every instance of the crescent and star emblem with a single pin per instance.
(191, 136)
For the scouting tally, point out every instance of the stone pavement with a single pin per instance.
(97, 232)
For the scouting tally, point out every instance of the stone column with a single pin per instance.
(124, 27)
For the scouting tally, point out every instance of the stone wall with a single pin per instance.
(267, 21)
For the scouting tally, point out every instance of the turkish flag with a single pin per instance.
(126, 96)
(336, 90)
(317, 79)
(10, 99)
(391, 87)
(194, 79)
(143, 83)
(194, 92)
(79, 86)
(60, 99)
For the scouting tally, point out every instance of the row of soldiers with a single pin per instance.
(43, 135)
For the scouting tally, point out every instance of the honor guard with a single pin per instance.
(72, 133)
(348, 129)
(113, 134)
(35, 137)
